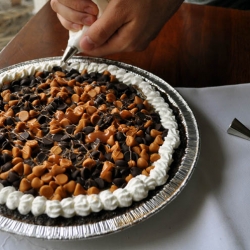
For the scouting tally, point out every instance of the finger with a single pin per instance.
(81, 5)
(102, 30)
(72, 15)
(69, 25)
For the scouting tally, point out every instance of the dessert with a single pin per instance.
(81, 139)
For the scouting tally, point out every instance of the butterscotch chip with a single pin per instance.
(54, 158)
(148, 123)
(13, 102)
(93, 190)
(26, 169)
(130, 141)
(148, 169)
(158, 140)
(137, 150)
(91, 110)
(144, 172)
(142, 163)
(4, 175)
(53, 185)
(70, 187)
(39, 170)
(154, 157)
(72, 83)
(89, 163)
(65, 163)
(125, 114)
(56, 197)
(16, 160)
(155, 132)
(154, 147)
(131, 163)
(24, 116)
(31, 176)
(56, 150)
(2, 121)
(35, 102)
(129, 177)
(106, 175)
(25, 185)
(46, 191)
(113, 188)
(110, 97)
(32, 143)
(75, 98)
(37, 183)
(18, 168)
(79, 190)
(144, 154)
(57, 169)
(20, 126)
(94, 119)
(92, 93)
(43, 97)
(26, 152)
(65, 122)
(61, 179)
(73, 118)
(59, 190)
(117, 155)
(46, 178)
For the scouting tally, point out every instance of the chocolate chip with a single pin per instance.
(120, 136)
(5, 183)
(47, 142)
(31, 191)
(7, 166)
(119, 182)
(6, 157)
(89, 129)
(41, 157)
(90, 183)
(10, 121)
(85, 173)
(70, 129)
(101, 184)
(121, 163)
(135, 171)
(121, 87)
(12, 177)
(62, 107)
(57, 137)
(25, 135)
(75, 174)
(95, 154)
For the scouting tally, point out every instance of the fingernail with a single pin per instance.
(76, 27)
(87, 43)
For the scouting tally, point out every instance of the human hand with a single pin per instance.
(125, 26)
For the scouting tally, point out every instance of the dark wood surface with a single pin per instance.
(200, 46)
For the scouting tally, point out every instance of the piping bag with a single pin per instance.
(74, 37)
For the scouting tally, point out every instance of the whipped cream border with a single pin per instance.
(136, 189)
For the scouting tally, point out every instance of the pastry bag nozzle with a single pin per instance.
(68, 53)
(74, 37)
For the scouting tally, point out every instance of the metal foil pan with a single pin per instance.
(145, 209)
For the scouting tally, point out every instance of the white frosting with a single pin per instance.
(136, 189)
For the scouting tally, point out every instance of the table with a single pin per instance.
(200, 46)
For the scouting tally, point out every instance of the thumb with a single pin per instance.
(101, 30)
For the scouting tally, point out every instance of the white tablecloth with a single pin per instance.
(213, 211)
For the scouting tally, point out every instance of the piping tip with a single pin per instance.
(238, 129)
(68, 53)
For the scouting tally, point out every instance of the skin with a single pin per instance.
(125, 25)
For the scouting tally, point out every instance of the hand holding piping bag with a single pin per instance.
(74, 37)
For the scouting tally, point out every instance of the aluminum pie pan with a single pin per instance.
(144, 210)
